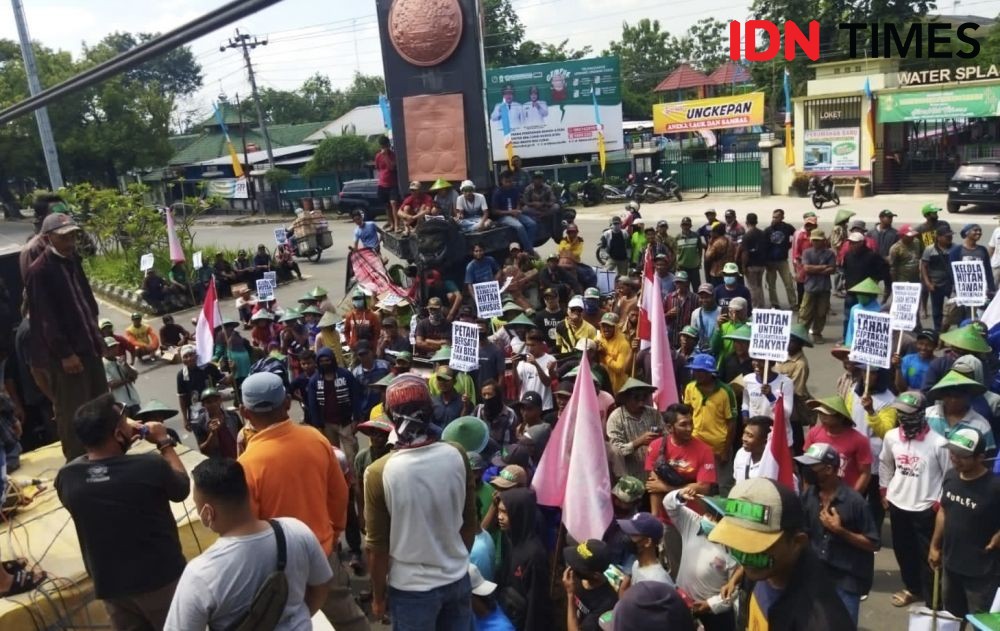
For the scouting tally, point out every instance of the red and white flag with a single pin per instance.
(209, 318)
(653, 333)
(573, 472)
(776, 463)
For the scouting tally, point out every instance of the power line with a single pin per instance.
(246, 43)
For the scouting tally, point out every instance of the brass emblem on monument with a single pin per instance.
(425, 32)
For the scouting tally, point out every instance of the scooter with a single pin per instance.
(669, 185)
(823, 191)
(590, 193)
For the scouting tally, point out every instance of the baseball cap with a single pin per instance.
(907, 230)
(730, 212)
(855, 237)
(738, 304)
(730, 269)
(263, 392)
(480, 586)
(706, 288)
(649, 606)
(550, 291)
(642, 525)
(928, 334)
(467, 185)
(531, 398)
(476, 461)
(681, 277)
(59, 223)
(414, 185)
(810, 218)
(616, 219)
(857, 224)
(514, 246)
(362, 346)
(758, 510)
(629, 489)
(820, 453)
(552, 257)
(966, 442)
(686, 221)
(510, 476)
(110, 341)
(689, 331)
(611, 319)
(909, 402)
(444, 372)
(928, 209)
(434, 303)
(572, 227)
(702, 361)
(662, 224)
(576, 302)
(817, 235)
(103, 323)
(591, 292)
(944, 231)
(379, 424)
(590, 557)
(710, 211)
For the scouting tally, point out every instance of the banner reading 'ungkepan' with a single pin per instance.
(721, 112)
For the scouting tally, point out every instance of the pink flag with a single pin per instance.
(776, 462)
(645, 305)
(209, 318)
(573, 472)
(176, 251)
(661, 356)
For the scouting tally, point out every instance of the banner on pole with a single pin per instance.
(264, 290)
(770, 331)
(279, 236)
(872, 343)
(970, 283)
(146, 262)
(488, 303)
(464, 346)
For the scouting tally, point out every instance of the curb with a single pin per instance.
(132, 301)
(244, 221)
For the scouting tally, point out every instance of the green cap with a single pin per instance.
(591, 292)
(318, 292)
(291, 314)
(830, 405)
(440, 184)
(953, 379)
(512, 306)
(312, 309)
(843, 215)
(442, 354)
(629, 489)
(210, 392)
(740, 333)
(966, 338)
(153, 410)
(867, 286)
(137, 316)
(404, 356)
(928, 209)
(731, 269)
(800, 332)
(521, 320)
(689, 331)
(634, 384)
(470, 432)
(307, 297)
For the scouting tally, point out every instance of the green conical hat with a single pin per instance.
(867, 286)
(512, 306)
(312, 309)
(471, 432)
(800, 332)
(307, 297)
(263, 314)
(966, 338)
(439, 184)
(634, 384)
(954, 379)
(318, 292)
(154, 409)
(329, 319)
(521, 320)
(385, 381)
(834, 403)
(291, 314)
(843, 215)
(575, 371)
(443, 354)
(740, 333)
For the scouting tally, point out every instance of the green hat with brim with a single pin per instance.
(317, 293)
(966, 338)
(521, 320)
(440, 184)
(575, 372)
(329, 319)
(830, 405)
(928, 209)
(512, 306)
(801, 333)
(291, 314)
(442, 354)
(953, 379)
(843, 215)
(741, 333)
(867, 286)
(210, 392)
(470, 432)
(262, 315)
(307, 297)
(634, 384)
(384, 381)
(154, 410)
(689, 331)
(313, 310)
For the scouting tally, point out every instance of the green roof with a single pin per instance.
(211, 145)
(179, 142)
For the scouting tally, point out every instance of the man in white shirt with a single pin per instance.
(218, 587)
(746, 462)
(471, 211)
(759, 398)
(533, 372)
(515, 111)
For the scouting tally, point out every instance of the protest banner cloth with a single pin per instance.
(769, 334)
(970, 283)
(280, 236)
(464, 346)
(872, 343)
(488, 303)
(265, 291)
(272, 277)
(905, 306)
(196, 260)
(146, 262)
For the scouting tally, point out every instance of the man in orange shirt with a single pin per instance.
(289, 469)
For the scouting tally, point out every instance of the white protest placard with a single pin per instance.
(272, 277)
(970, 283)
(872, 343)
(769, 334)
(146, 262)
(488, 303)
(196, 260)
(279, 236)
(464, 346)
(905, 306)
(606, 280)
(265, 291)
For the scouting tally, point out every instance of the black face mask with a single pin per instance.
(808, 475)
(911, 424)
(493, 406)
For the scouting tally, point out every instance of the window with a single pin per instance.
(833, 113)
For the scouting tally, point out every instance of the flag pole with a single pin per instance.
(868, 378)
(555, 578)
(635, 355)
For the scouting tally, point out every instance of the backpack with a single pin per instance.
(269, 602)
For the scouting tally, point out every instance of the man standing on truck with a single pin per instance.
(388, 191)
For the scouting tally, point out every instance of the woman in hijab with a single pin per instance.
(524, 564)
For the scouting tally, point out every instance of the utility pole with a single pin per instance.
(248, 43)
(251, 192)
(34, 87)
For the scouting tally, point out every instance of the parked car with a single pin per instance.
(361, 194)
(977, 182)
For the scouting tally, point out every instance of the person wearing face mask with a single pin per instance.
(912, 466)
(705, 318)
(434, 331)
(574, 328)
(248, 547)
(866, 299)
(501, 419)
(106, 486)
(731, 287)
(592, 310)
(361, 323)
(840, 526)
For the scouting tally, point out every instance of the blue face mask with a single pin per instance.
(707, 525)
(729, 280)
(591, 306)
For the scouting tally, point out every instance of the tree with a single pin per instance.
(646, 54)
(502, 33)
(176, 72)
(703, 45)
(315, 100)
(338, 153)
(532, 52)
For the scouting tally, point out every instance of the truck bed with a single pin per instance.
(495, 241)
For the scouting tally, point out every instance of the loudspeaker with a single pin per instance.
(432, 48)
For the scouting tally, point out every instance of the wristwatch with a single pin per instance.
(169, 441)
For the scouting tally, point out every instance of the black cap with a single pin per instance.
(531, 398)
(928, 334)
(363, 346)
(589, 558)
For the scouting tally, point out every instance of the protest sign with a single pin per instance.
(464, 346)
(905, 305)
(196, 260)
(265, 291)
(272, 277)
(872, 343)
(769, 334)
(279, 236)
(146, 262)
(970, 283)
(487, 296)
(606, 280)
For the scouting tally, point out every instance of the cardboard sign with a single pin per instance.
(464, 346)
(272, 277)
(280, 236)
(606, 280)
(265, 291)
(872, 343)
(970, 283)
(769, 335)
(488, 303)
(146, 262)
(905, 306)
(196, 260)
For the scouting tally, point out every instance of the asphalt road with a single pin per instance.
(157, 381)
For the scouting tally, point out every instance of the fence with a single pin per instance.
(715, 171)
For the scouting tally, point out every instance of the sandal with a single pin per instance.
(13, 567)
(903, 598)
(24, 581)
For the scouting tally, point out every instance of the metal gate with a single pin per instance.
(731, 169)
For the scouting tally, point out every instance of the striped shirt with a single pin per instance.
(623, 428)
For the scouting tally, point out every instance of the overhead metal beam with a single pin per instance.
(224, 15)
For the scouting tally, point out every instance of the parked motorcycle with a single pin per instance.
(565, 196)
(590, 193)
(663, 187)
(823, 190)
